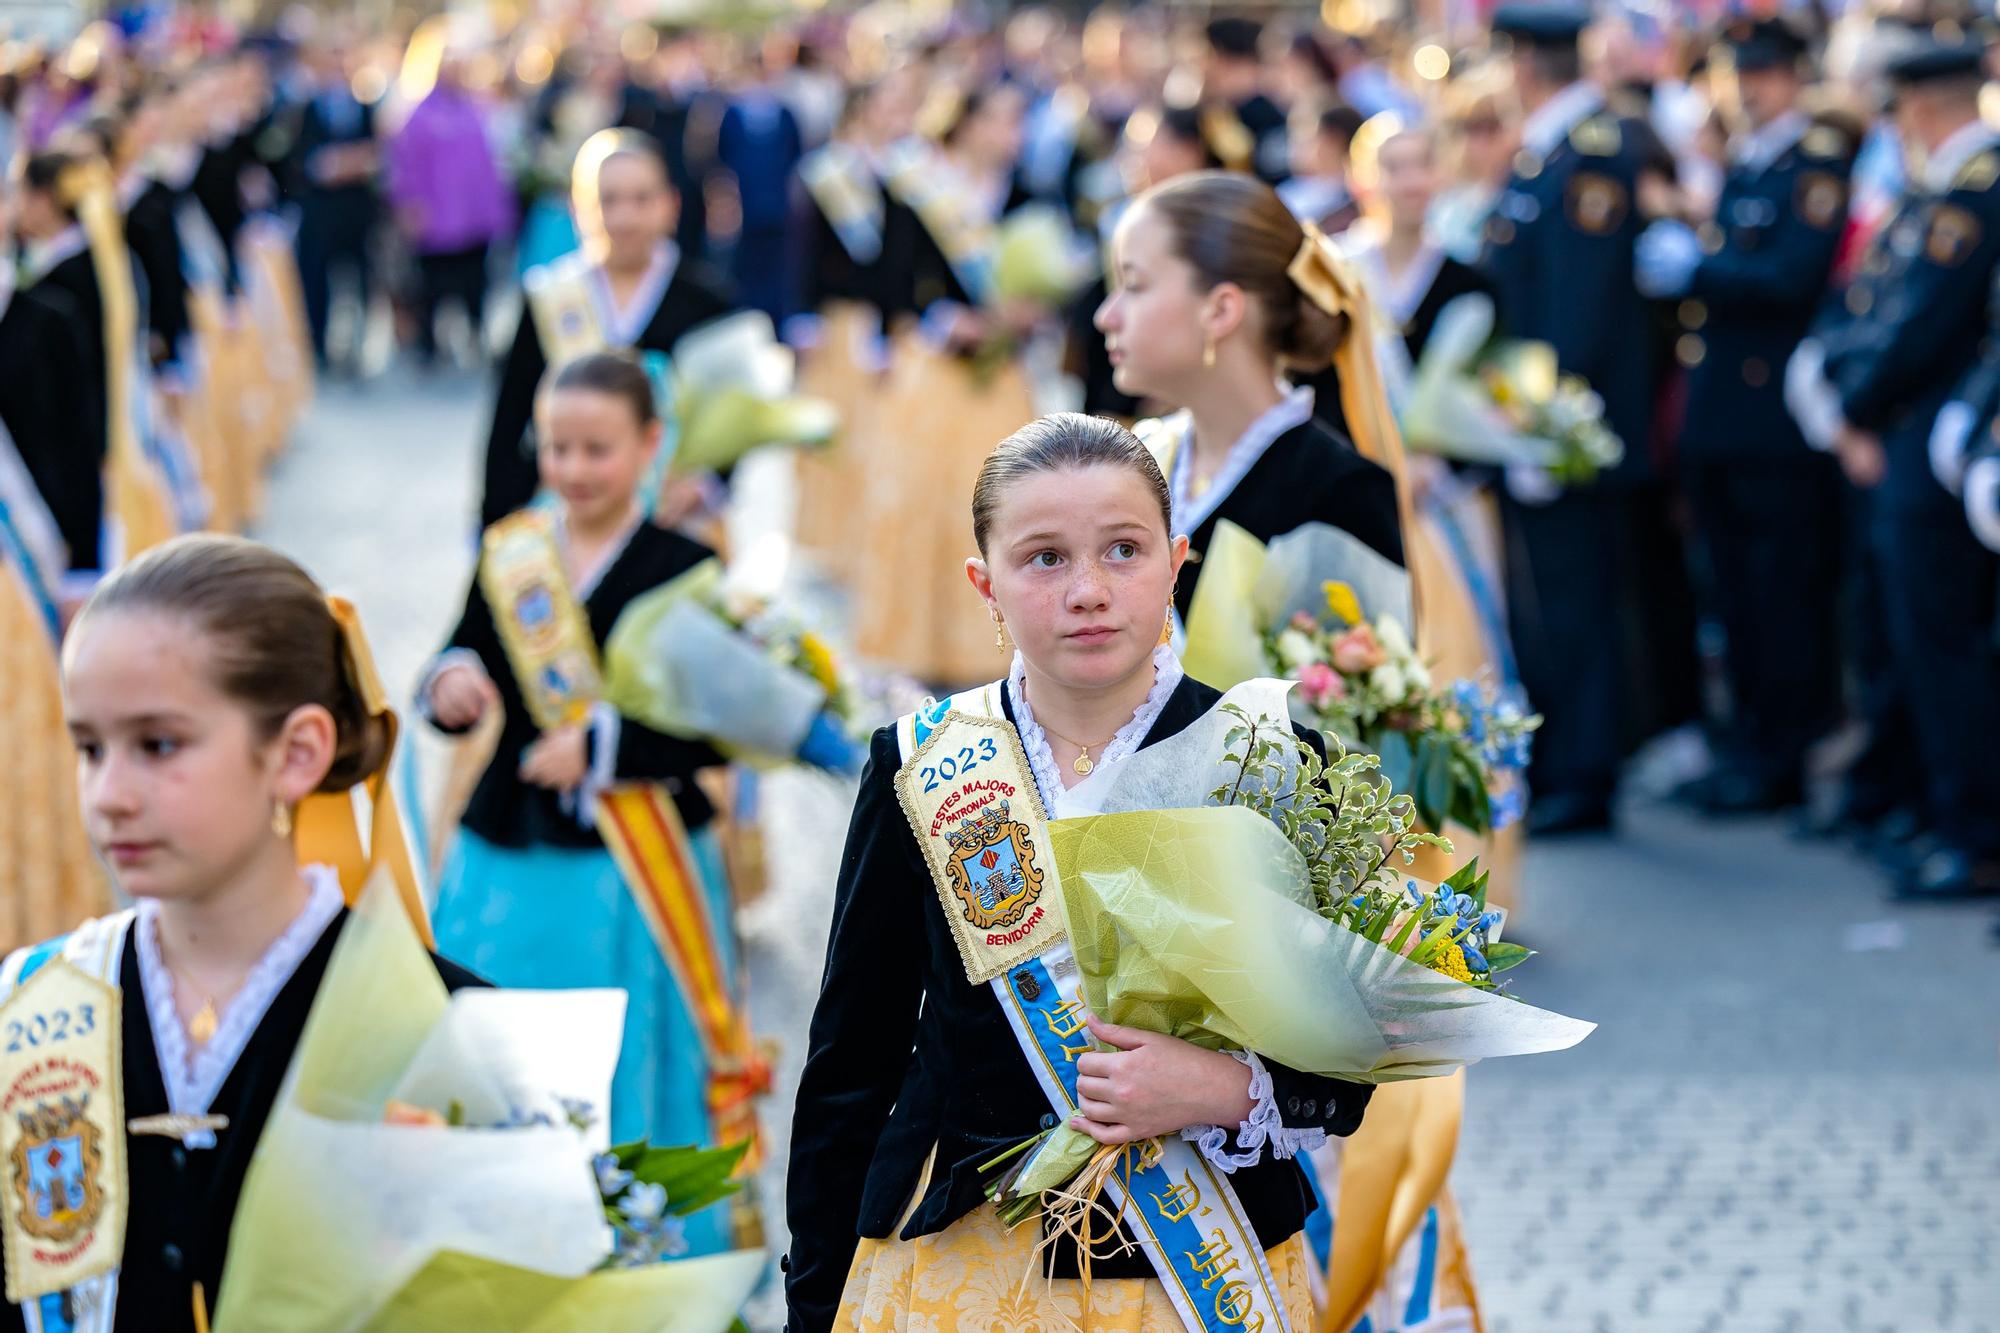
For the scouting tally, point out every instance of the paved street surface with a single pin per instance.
(1788, 1122)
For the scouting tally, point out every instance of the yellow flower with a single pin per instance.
(1342, 602)
(817, 659)
(1451, 962)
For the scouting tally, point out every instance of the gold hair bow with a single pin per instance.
(1324, 274)
(328, 827)
(1331, 282)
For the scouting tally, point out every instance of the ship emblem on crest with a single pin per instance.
(56, 1165)
(992, 868)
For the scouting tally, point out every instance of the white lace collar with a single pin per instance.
(1288, 413)
(192, 1083)
(43, 256)
(583, 582)
(1397, 295)
(626, 323)
(1167, 676)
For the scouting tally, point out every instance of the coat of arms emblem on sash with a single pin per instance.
(55, 1170)
(993, 869)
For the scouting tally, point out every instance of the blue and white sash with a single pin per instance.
(95, 948)
(1181, 1211)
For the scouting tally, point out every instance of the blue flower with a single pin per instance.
(645, 1202)
(610, 1179)
(1473, 958)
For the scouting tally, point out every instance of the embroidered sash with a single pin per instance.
(1181, 1211)
(30, 544)
(849, 196)
(564, 310)
(965, 237)
(548, 642)
(67, 1150)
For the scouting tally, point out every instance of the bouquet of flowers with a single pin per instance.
(1036, 258)
(1458, 752)
(730, 388)
(697, 658)
(1237, 892)
(433, 1163)
(1319, 607)
(1504, 403)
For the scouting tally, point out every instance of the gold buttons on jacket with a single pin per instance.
(1693, 314)
(1690, 350)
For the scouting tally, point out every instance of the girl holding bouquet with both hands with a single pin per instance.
(915, 1078)
(222, 707)
(1222, 291)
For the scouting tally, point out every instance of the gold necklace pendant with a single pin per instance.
(1082, 762)
(202, 1026)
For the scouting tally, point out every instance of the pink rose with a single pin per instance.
(1357, 650)
(1320, 684)
(1303, 620)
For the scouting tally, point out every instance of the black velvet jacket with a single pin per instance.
(1308, 474)
(695, 294)
(509, 812)
(905, 1053)
(184, 1199)
(52, 409)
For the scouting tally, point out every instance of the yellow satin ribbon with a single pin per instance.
(1331, 282)
(136, 496)
(328, 830)
(1393, 1169)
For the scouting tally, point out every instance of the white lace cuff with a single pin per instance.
(1262, 1129)
(436, 667)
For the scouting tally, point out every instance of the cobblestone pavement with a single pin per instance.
(1788, 1121)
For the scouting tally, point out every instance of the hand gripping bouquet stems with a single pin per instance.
(1235, 893)
(429, 1165)
(693, 659)
(1318, 607)
(1504, 403)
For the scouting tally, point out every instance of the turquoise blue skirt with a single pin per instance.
(561, 918)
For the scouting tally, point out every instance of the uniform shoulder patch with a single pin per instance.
(1598, 136)
(1597, 203)
(1953, 235)
(1819, 198)
(1979, 174)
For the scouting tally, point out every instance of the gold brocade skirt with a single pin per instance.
(49, 882)
(833, 481)
(936, 422)
(976, 1276)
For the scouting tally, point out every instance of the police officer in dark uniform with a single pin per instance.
(1559, 250)
(1911, 351)
(1766, 507)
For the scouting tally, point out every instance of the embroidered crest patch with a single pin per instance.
(1597, 202)
(972, 803)
(62, 1132)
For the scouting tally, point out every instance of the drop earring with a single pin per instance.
(1208, 353)
(281, 820)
